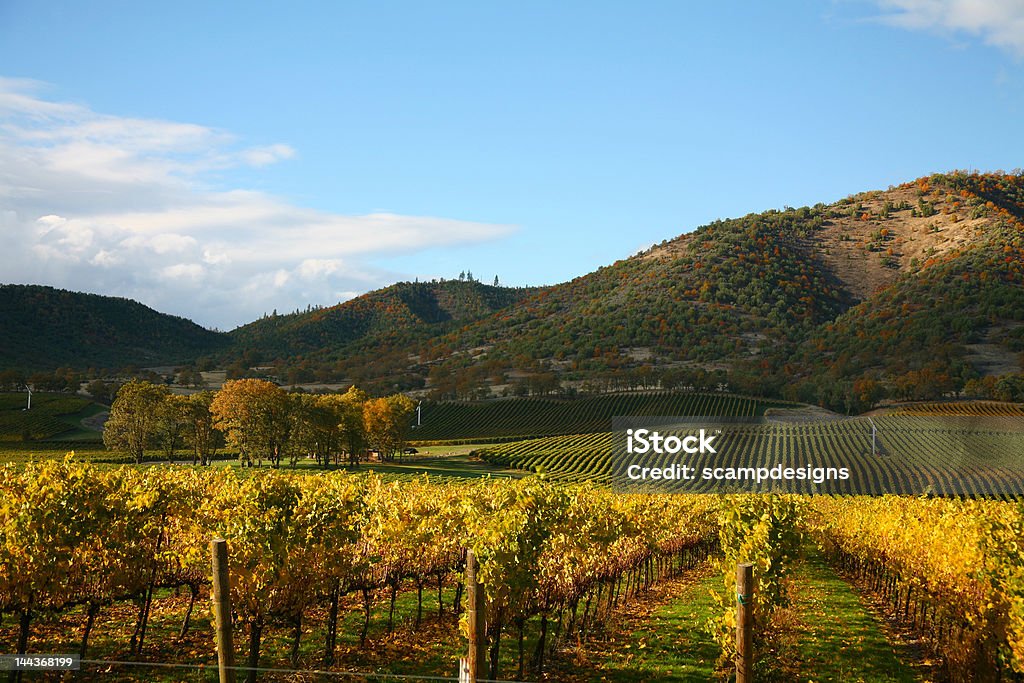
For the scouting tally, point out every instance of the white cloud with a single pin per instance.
(313, 268)
(106, 259)
(999, 23)
(119, 206)
(262, 156)
(192, 272)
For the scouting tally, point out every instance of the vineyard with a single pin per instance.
(47, 419)
(522, 418)
(942, 455)
(952, 569)
(558, 557)
(312, 557)
(966, 409)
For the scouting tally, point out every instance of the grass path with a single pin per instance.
(827, 634)
(657, 637)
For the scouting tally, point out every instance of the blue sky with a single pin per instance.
(220, 160)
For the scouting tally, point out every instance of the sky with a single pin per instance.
(222, 160)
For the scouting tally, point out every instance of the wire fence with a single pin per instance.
(119, 670)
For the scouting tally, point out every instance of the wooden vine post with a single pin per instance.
(471, 667)
(221, 595)
(744, 623)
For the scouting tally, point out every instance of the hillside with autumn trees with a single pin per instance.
(908, 293)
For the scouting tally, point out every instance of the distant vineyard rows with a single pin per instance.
(42, 422)
(972, 408)
(945, 455)
(536, 417)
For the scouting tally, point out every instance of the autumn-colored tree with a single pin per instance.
(133, 417)
(388, 421)
(254, 415)
(867, 392)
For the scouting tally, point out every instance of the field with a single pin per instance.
(52, 416)
(522, 418)
(361, 570)
(569, 568)
(912, 454)
(964, 408)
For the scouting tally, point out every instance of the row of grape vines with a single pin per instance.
(533, 417)
(951, 569)
(77, 538)
(970, 408)
(942, 455)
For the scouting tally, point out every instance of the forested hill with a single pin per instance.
(421, 309)
(45, 328)
(910, 292)
(916, 289)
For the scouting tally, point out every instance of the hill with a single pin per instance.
(382, 313)
(369, 339)
(728, 292)
(46, 328)
(912, 292)
(947, 304)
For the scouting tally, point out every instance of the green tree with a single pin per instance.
(200, 433)
(101, 391)
(172, 419)
(133, 417)
(316, 426)
(352, 424)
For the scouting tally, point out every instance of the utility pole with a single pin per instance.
(874, 432)
(29, 390)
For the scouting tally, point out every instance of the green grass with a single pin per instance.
(461, 466)
(441, 461)
(827, 634)
(661, 637)
(836, 637)
(447, 461)
(48, 450)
